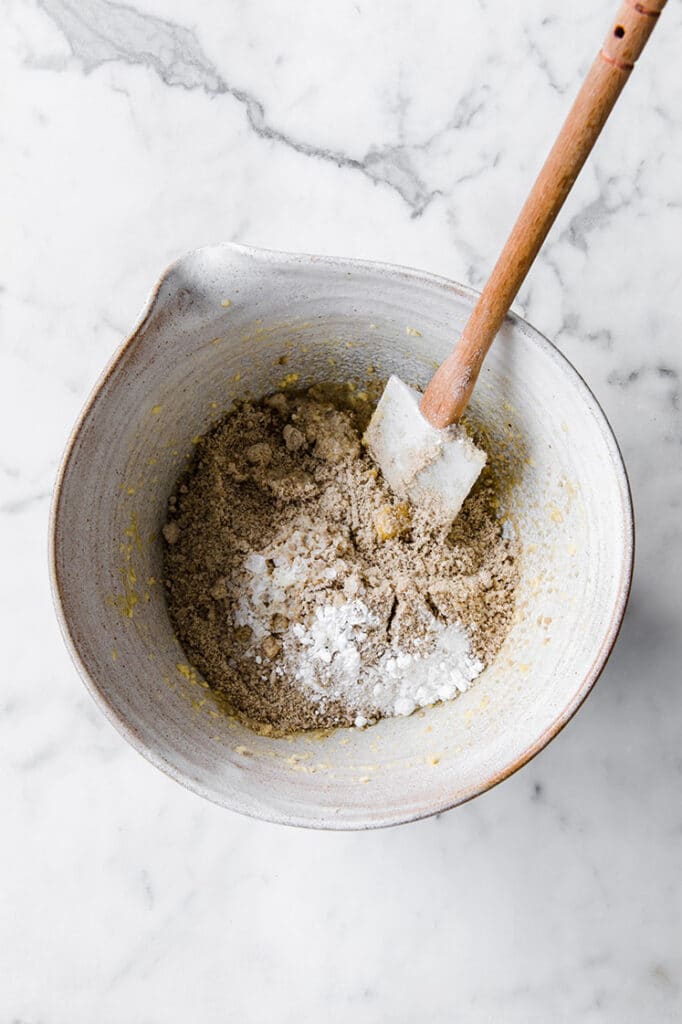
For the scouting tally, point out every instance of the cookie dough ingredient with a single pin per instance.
(306, 593)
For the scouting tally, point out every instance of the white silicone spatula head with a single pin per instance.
(435, 469)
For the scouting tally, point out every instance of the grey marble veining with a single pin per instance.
(99, 32)
(134, 132)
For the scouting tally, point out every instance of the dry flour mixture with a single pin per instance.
(305, 593)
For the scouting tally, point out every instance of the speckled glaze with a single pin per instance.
(216, 327)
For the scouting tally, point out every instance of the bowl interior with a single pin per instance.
(225, 322)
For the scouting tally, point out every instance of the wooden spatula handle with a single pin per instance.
(447, 395)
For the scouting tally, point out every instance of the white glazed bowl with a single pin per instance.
(216, 327)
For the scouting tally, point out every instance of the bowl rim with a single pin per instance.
(389, 270)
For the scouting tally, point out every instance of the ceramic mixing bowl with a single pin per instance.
(227, 321)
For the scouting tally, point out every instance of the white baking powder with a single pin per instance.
(324, 658)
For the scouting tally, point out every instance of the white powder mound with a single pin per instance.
(344, 653)
(282, 571)
(330, 664)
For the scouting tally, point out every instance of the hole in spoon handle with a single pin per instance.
(630, 31)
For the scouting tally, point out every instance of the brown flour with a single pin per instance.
(284, 511)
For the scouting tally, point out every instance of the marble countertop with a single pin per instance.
(400, 132)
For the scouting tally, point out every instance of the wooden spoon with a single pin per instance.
(448, 393)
